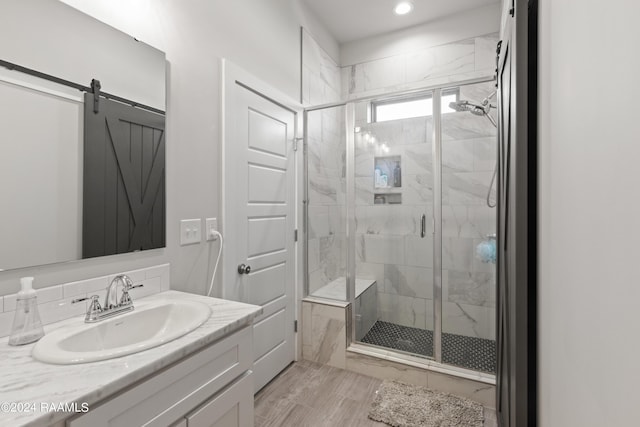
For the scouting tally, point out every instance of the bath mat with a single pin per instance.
(405, 405)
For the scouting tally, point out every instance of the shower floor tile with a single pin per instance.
(468, 352)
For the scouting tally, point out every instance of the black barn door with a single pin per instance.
(124, 179)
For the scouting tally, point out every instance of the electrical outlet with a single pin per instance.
(190, 231)
(211, 224)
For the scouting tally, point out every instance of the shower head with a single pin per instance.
(463, 105)
(475, 109)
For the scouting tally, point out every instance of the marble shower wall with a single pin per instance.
(453, 61)
(326, 166)
(469, 152)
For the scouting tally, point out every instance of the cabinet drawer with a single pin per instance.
(233, 407)
(167, 396)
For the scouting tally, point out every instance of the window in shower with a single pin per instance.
(410, 107)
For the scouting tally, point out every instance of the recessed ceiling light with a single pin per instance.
(403, 8)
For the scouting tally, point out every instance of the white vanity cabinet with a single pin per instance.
(211, 387)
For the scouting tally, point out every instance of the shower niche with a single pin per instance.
(387, 180)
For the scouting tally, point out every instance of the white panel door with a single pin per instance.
(263, 223)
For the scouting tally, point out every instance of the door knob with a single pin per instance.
(244, 269)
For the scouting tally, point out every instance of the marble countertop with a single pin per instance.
(24, 380)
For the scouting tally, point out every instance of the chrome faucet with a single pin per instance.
(96, 312)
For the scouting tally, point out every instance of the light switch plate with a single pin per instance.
(190, 231)
(211, 224)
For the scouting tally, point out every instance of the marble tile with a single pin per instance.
(485, 52)
(391, 132)
(384, 72)
(337, 219)
(317, 279)
(383, 249)
(370, 271)
(316, 89)
(345, 78)
(417, 189)
(457, 253)
(314, 127)
(388, 219)
(418, 159)
(463, 125)
(417, 130)
(418, 250)
(466, 188)
(313, 255)
(324, 335)
(385, 369)
(485, 151)
(469, 288)
(469, 320)
(475, 222)
(412, 312)
(454, 58)
(356, 79)
(458, 156)
(319, 224)
(420, 65)
(477, 391)
(323, 190)
(306, 85)
(364, 191)
(364, 164)
(415, 282)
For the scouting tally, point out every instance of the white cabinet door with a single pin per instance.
(232, 408)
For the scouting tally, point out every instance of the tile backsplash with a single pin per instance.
(54, 302)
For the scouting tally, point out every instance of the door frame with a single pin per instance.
(232, 76)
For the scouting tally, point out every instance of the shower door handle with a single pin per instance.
(423, 226)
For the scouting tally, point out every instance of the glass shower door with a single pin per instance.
(468, 229)
(394, 224)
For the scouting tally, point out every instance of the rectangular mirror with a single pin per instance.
(78, 178)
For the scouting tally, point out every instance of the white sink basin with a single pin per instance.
(149, 325)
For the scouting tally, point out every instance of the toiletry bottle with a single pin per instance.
(384, 180)
(378, 174)
(27, 327)
(397, 176)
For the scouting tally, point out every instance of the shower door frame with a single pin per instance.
(350, 272)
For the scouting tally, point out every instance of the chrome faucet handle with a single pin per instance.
(126, 299)
(94, 307)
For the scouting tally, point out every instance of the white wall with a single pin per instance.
(261, 37)
(472, 23)
(589, 286)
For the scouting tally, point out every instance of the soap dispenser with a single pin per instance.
(27, 327)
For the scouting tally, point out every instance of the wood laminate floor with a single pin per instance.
(307, 394)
